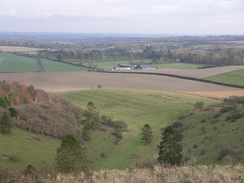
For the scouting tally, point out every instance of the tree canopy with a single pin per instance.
(5, 124)
(147, 135)
(70, 156)
(170, 147)
(92, 118)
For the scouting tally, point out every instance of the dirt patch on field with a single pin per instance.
(18, 49)
(196, 73)
(216, 94)
(66, 81)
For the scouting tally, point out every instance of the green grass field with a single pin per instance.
(52, 66)
(14, 63)
(211, 136)
(136, 107)
(234, 77)
(29, 148)
(178, 66)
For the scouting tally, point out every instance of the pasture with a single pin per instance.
(136, 107)
(14, 63)
(178, 66)
(52, 66)
(22, 148)
(234, 77)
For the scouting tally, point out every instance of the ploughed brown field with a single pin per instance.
(67, 81)
(197, 73)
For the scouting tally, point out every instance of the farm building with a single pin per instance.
(122, 68)
(145, 67)
(125, 65)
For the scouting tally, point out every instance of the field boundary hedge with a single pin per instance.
(177, 76)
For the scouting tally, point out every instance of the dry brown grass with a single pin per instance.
(155, 174)
(216, 94)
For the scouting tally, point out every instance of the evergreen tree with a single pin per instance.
(86, 133)
(4, 102)
(13, 112)
(146, 135)
(32, 91)
(92, 118)
(70, 156)
(5, 124)
(170, 147)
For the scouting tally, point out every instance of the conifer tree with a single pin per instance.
(4, 102)
(147, 136)
(5, 124)
(86, 133)
(70, 156)
(170, 147)
(92, 118)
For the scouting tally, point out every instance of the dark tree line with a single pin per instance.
(216, 56)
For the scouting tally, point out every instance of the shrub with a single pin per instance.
(235, 116)
(195, 146)
(227, 118)
(203, 120)
(119, 124)
(198, 105)
(13, 112)
(222, 153)
(217, 115)
(225, 109)
(213, 121)
(117, 133)
(177, 124)
(13, 157)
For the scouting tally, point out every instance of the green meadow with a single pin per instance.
(234, 77)
(22, 148)
(52, 66)
(136, 107)
(14, 63)
(178, 66)
(207, 133)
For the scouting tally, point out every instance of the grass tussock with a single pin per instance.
(155, 174)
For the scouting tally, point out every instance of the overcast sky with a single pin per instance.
(182, 17)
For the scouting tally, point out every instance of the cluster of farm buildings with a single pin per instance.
(134, 67)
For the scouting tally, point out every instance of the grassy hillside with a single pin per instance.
(22, 148)
(211, 136)
(234, 77)
(14, 63)
(136, 107)
(52, 66)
